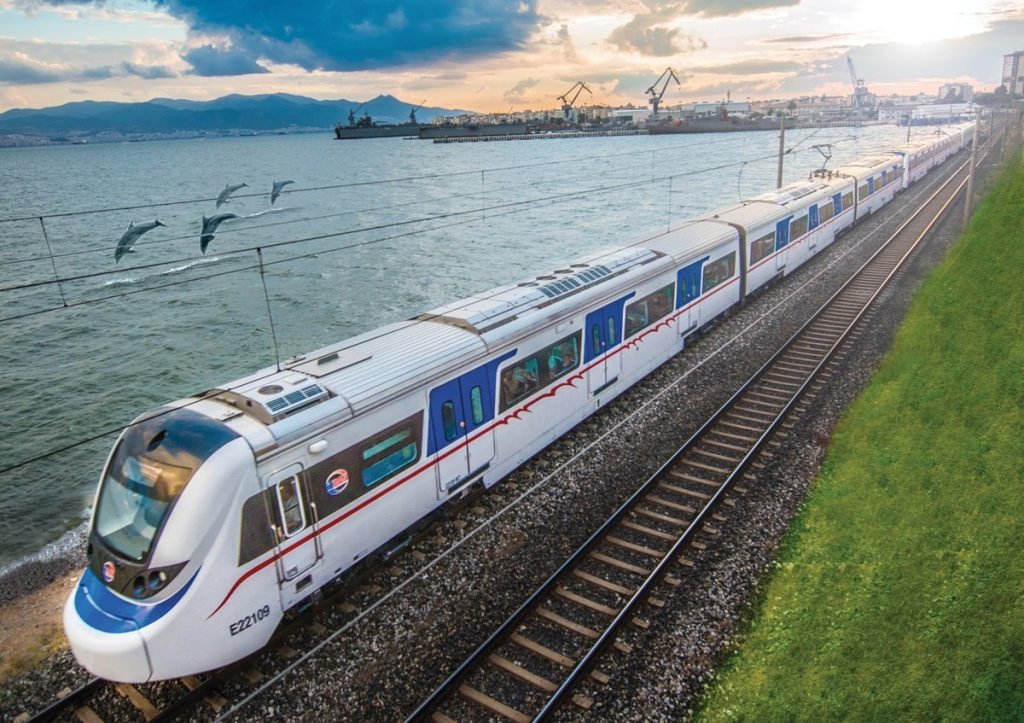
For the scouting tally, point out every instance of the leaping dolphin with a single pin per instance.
(210, 225)
(278, 185)
(131, 235)
(226, 193)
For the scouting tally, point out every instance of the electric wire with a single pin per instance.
(272, 224)
(515, 208)
(251, 380)
(349, 184)
(378, 227)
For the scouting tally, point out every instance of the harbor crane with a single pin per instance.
(568, 104)
(656, 95)
(857, 82)
(861, 97)
(412, 113)
(352, 113)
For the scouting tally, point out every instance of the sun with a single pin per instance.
(920, 21)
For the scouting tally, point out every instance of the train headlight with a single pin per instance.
(148, 583)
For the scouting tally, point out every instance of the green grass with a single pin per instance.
(899, 590)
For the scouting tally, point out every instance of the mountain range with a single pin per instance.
(229, 114)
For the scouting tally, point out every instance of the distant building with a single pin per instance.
(1013, 72)
(956, 93)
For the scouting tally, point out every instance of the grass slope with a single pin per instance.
(899, 591)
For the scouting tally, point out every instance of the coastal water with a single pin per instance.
(371, 232)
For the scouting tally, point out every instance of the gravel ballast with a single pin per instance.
(384, 664)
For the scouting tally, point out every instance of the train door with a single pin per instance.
(458, 410)
(812, 223)
(781, 242)
(687, 292)
(603, 332)
(298, 548)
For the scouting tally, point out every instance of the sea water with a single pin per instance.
(371, 232)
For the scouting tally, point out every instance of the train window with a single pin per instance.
(257, 534)
(644, 312)
(613, 337)
(848, 200)
(825, 212)
(448, 421)
(762, 247)
(595, 338)
(798, 228)
(383, 457)
(531, 375)
(862, 192)
(718, 271)
(291, 505)
(476, 403)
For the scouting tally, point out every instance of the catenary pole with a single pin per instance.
(782, 146)
(970, 176)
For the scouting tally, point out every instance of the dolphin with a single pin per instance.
(226, 193)
(210, 225)
(131, 235)
(278, 185)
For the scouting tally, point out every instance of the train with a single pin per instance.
(219, 514)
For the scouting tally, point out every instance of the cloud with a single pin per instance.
(355, 35)
(568, 46)
(722, 8)
(974, 56)
(806, 38)
(18, 67)
(517, 92)
(651, 33)
(206, 60)
(750, 67)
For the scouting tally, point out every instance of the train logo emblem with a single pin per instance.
(337, 481)
(108, 571)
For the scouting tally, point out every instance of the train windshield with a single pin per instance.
(148, 471)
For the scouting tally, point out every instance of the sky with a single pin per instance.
(496, 55)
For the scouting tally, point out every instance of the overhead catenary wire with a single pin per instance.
(250, 380)
(508, 209)
(377, 227)
(305, 219)
(338, 186)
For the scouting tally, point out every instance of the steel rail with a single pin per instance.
(584, 664)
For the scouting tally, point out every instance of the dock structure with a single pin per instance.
(542, 136)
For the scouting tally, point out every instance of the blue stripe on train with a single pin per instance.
(99, 608)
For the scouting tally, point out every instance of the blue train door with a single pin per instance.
(813, 221)
(687, 292)
(458, 410)
(603, 332)
(781, 242)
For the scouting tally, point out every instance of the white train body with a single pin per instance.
(221, 512)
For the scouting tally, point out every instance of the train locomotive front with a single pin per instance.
(161, 554)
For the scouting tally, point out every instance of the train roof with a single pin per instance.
(769, 207)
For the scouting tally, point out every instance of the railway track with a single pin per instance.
(536, 660)
(170, 699)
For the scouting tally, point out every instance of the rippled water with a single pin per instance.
(167, 321)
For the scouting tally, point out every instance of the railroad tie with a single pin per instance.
(534, 647)
(557, 619)
(518, 671)
(137, 699)
(485, 701)
(87, 715)
(585, 602)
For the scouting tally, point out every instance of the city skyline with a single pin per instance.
(491, 55)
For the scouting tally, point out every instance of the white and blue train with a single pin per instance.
(218, 513)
